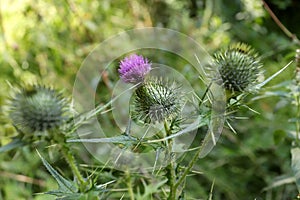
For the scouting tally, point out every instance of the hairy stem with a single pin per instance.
(171, 167)
(280, 25)
(296, 96)
(129, 185)
(68, 155)
(188, 168)
(297, 100)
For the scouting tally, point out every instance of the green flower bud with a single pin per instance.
(238, 67)
(37, 109)
(156, 101)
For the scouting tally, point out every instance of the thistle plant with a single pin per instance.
(38, 109)
(155, 100)
(294, 99)
(238, 67)
(290, 93)
(41, 114)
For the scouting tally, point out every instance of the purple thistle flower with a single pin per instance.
(134, 68)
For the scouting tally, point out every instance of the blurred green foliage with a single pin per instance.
(46, 41)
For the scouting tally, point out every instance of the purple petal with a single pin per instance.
(134, 68)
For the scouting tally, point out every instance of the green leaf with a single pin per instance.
(211, 191)
(150, 189)
(199, 122)
(258, 86)
(122, 139)
(70, 197)
(268, 94)
(74, 196)
(65, 186)
(279, 181)
(64, 196)
(296, 165)
(17, 142)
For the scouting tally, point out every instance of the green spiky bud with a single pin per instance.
(37, 109)
(156, 101)
(238, 67)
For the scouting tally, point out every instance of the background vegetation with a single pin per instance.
(46, 41)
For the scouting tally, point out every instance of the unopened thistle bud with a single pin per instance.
(238, 67)
(134, 68)
(37, 109)
(156, 101)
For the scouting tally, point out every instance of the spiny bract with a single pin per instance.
(156, 101)
(238, 67)
(37, 109)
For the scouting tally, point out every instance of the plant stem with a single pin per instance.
(280, 25)
(296, 96)
(188, 168)
(172, 181)
(171, 167)
(72, 163)
(297, 100)
(129, 185)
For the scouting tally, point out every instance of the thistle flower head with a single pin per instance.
(37, 109)
(134, 68)
(156, 101)
(238, 67)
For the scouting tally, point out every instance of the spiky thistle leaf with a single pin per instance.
(65, 186)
